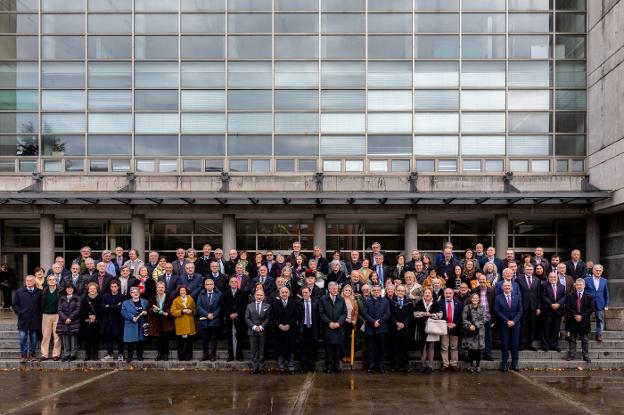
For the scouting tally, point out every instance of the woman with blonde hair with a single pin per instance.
(426, 309)
(413, 289)
(350, 322)
(39, 274)
(159, 270)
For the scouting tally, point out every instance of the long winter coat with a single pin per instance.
(112, 322)
(476, 317)
(27, 306)
(68, 309)
(184, 323)
(133, 331)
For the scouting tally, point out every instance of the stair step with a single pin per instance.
(271, 365)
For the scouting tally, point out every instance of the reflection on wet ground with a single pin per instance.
(156, 392)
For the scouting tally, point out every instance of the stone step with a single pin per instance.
(609, 354)
(271, 365)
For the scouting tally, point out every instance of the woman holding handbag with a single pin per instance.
(473, 338)
(134, 312)
(427, 310)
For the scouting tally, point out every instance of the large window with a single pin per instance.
(256, 77)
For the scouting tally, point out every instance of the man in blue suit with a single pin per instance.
(376, 314)
(266, 280)
(597, 287)
(209, 312)
(507, 276)
(508, 308)
(490, 256)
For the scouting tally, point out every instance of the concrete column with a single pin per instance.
(592, 238)
(137, 238)
(501, 235)
(320, 232)
(229, 233)
(411, 235)
(46, 241)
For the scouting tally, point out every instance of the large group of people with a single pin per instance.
(287, 306)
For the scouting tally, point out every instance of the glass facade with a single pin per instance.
(384, 86)
(20, 238)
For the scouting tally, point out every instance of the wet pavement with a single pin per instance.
(182, 392)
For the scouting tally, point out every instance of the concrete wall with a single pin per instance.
(605, 89)
(612, 255)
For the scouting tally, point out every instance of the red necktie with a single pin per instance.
(554, 291)
(529, 281)
(449, 312)
(578, 302)
(239, 282)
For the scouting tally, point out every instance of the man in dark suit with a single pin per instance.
(58, 270)
(575, 267)
(376, 313)
(384, 272)
(554, 262)
(564, 278)
(267, 281)
(508, 309)
(452, 309)
(530, 288)
(333, 313)
(234, 306)
(221, 280)
(102, 278)
(242, 281)
(152, 262)
(292, 258)
(490, 256)
(411, 264)
(486, 298)
(120, 258)
(285, 318)
(315, 291)
(309, 330)
(401, 312)
(553, 303)
(126, 281)
(90, 269)
(354, 264)
(579, 306)
(507, 276)
(375, 250)
(446, 267)
(210, 319)
(192, 280)
(78, 280)
(204, 261)
(539, 258)
(218, 258)
(321, 262)
(180, 262)
(169, 278)
(257, 319)
(230, 264)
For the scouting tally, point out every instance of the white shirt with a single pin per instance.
(596, 282)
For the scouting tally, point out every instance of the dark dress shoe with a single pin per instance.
(56, 359)
(515, 368)
(570, 358)
(230, 359)
(587, 359)
(557, 349)
(531, 348)
(204, 358)
(487, 357)
(43, 359)
(599, 338)
(504, 368)
(71, 359)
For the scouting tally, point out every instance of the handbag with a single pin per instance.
(466, 332)
(436, 327)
